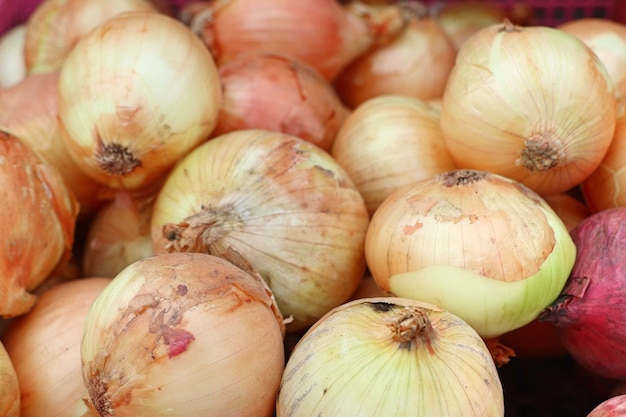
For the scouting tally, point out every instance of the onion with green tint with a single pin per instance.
(485, 247)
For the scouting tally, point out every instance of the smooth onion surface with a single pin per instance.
(612, 407)
(13, 68)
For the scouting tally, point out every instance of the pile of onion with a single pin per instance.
(513, 105)
(183, 334)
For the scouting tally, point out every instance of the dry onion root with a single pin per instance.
(183, 334)
(390, 357)
(38, 230)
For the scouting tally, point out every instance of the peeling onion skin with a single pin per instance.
(483, 246)
(135, 95)
(611, 407)
(37, 237)
(281, 204)
(390, 357)
(513, 105)
(183, 334)
(590, 312)
(9, 387)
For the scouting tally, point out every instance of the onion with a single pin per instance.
(55, 26)
(9, 386)
(461, 20)
(118, 235)
(275, 202)
(388, 142)
(44, 346)
(534, 104)
(570, 209)
(416, 64)
(135, 95)
(13, 68)
(482, 246)
(273, 92)
(390, 357)
(612, 407)
(322, 33)
(29, 111)
(183, 334)
(589, 312)
(38, 230)
(607, 39)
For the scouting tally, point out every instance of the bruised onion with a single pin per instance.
(273, 201)
(589, 312)
(390, 357)
(9, 386)
(183, 334)
(483, 246)
(38, 228)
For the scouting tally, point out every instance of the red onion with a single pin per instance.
(612, 407)
(590, 311)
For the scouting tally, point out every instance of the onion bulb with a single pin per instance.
(55, 26)
(9, 386)
(273, 201)
(38, 228)
(44, 346)
(589, 313)
(483, 246)
(611, 407)
(273, 92)
(533, 103)
(390, 357)
(183, 334)
(13, 68)
(388, 142)
(135, 95)
(570, 209)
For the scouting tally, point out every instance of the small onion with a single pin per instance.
(38, 228)
(276, 202)
(388, 142)
(612, 407)
(44, 346)
(9, 386)
(13, 68)
(135, 95)
(533, 103)
(273, 92)
(183, 334)
(390, 357)
(590, 312)
(55, 26)
(483, 246)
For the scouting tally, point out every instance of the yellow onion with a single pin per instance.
(135, 95)
(533, 103)
(29, 111)
(13, 68)
(9, 386)
(38, 228)
(44, 346)
(273, 201)
(183, 334)
(569, 208)
(273, 92)
(118, 235)
(483, 246)
(388, 142)
(55, 26)
(390, 357)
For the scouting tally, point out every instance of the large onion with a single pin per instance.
(274, 201)
(533, 103)
(183, 334)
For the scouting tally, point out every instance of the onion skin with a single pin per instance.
(183, 334)
(589, 313)
(44, 346)
(611, 407)
(9, 386)
(275, 202)
(352, 362)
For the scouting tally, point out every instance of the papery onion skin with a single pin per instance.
(135, 95)
(280, 203)
(388, 142)
(483, 246)
(9, 386)
(509, 108)
(351, 362)
(612, 407)
(183, 334)
(44, 346)
(273, 92)
(38, 234)
(589, 313)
